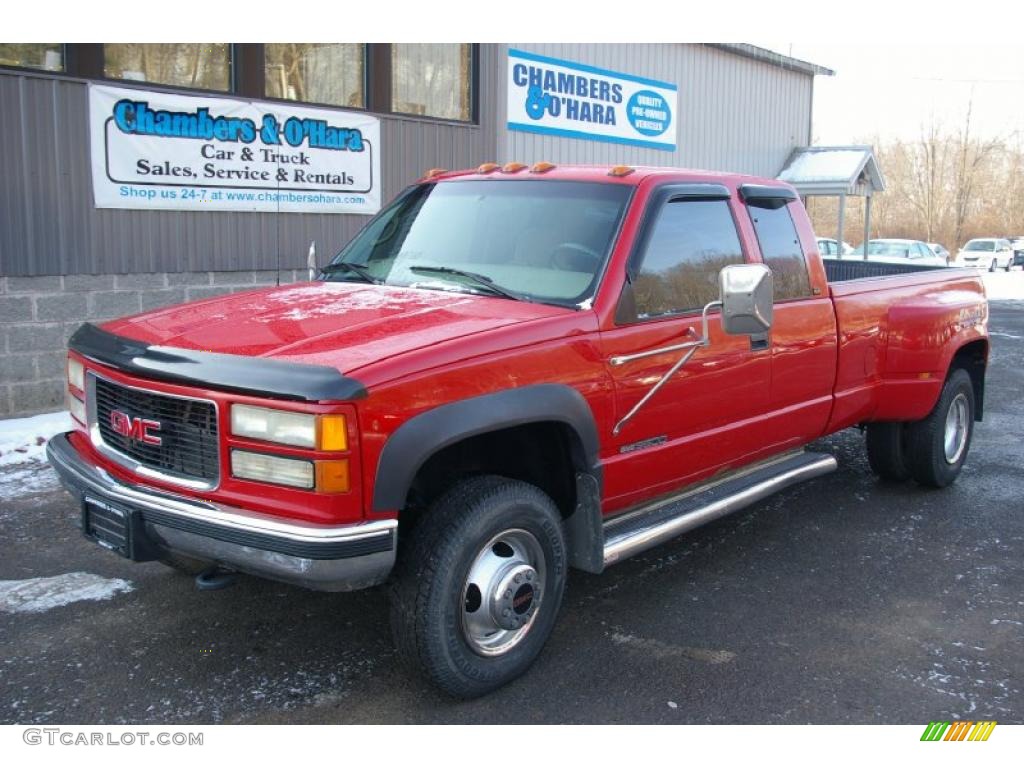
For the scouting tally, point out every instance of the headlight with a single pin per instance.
(77, 408)
(272, 469)
(76, 374)
(274, 426)
(328, 432)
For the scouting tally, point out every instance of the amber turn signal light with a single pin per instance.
(542, 167)
(488, 168)
(332, 432)
(434, 172)
(621, 170)
(512, 167)
(332, 476)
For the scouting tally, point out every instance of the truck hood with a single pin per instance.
(343, 325)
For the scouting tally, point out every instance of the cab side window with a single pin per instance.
(781, 250)
(690, 243)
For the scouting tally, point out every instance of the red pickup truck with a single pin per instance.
(509, 372)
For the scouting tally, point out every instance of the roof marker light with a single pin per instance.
(488, 168)
(512, 167)
(434, 173)
(542, 167)
(621, 170)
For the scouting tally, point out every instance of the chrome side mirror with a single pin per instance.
(747, 297)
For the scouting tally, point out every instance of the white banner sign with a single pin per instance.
(564, 98)
(180, 152)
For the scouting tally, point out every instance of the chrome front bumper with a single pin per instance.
(329, 558)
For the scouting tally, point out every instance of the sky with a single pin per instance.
(893, 90)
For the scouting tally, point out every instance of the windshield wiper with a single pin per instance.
(356, 269)
(481, 280)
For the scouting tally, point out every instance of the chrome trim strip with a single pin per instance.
(132, 464)
(618, 547)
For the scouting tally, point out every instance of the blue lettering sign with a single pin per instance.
(649, 113)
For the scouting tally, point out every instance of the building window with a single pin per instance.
(781, 251)
(48, 56)
(326, 73)
(692, 240)
(186, 65)
(433, 80)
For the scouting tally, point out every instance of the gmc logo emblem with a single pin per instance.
(135, 428)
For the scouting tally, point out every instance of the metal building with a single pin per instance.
(71, 250)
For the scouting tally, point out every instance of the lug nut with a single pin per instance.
(506, 612)
(519, 578)
(529, 576)
(508, 593)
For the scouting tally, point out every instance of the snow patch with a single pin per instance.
(42, 594)
(19, 482)
(1004, 286)
(23, 440)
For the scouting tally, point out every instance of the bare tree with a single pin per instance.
(971, 159)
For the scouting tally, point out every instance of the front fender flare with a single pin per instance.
(420, 437)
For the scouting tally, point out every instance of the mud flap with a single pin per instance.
(584, 528)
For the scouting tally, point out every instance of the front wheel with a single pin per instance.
(937, 445)
(992, 265)
(478, 585)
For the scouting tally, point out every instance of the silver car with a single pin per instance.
(893, 250)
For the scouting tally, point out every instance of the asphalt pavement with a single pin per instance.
(844, 600)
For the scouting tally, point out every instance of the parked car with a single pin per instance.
(829, 248)
(940, 250)
(480, 393)
(1017, 243)
(989, 253)
(899, 251)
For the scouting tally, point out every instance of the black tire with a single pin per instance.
(926, 439)
(430, 593)
(992, 265)
(1009, 265)
(887, 450)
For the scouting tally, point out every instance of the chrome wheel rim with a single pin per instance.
(955, 437)
(503, 592)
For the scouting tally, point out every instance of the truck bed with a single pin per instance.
(843, 270)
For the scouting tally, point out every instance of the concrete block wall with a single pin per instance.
(39, 314)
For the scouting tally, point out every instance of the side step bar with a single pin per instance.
(657, 523)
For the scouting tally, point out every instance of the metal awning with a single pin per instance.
(833, 171)
(836, 172)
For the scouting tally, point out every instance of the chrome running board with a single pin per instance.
(656, 523)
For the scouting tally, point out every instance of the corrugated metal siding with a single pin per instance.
(48, 224)
(735, 114)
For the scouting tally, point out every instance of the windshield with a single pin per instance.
(980, 245)
(543, 241)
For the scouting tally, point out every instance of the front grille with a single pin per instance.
(188, 430)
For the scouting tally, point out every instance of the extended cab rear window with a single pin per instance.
(781, 250)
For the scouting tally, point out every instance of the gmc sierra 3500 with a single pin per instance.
(509, 372)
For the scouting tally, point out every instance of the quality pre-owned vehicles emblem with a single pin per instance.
(135, 428)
